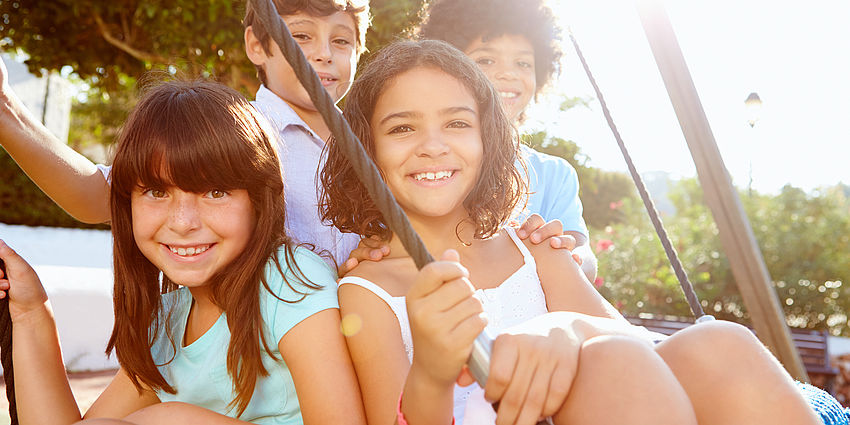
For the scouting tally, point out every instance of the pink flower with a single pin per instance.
(604, 245)
(598, 282)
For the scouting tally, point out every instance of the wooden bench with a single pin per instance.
(811, 344)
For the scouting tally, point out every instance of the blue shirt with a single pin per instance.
(199, 371)
(553, 190)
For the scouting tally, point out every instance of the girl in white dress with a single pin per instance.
(435, 127)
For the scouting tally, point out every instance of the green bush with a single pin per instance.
(804, 239)
(22, 202)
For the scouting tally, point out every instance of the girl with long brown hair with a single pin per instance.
(435, 128)
(218, 315)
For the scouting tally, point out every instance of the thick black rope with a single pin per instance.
(6, 353)
(672, 256)
(367, 172)
(348, 142)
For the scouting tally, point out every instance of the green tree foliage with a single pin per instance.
(22, 202)
(103, 41)
(109, 45)
(804, 240)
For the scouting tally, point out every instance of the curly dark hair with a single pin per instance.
(358, 9)
(460, 22)
(344, 200)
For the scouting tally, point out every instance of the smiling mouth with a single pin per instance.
(433, 176)
(189, 251)
(508, 95)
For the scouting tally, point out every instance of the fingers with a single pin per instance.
(371, 249)
(435, 274)
(532, 223)
(527, 377)
(11, 258)
(502, 364)
(465, 378)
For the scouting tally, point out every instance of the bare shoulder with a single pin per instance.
(393, 275)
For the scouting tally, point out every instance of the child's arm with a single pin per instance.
(566, 287)
(323, 375)
(374, 340)
(70, 179)
(39, 370)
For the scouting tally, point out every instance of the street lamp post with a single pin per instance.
(753, 105)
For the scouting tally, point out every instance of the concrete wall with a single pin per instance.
(32, 89)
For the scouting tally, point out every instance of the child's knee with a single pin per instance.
(718, 343)
(611, 350)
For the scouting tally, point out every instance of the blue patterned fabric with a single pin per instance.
(827, 407)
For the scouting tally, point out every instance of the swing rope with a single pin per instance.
(348, 142)
(672, 256)
(367, 172)
(6, 355)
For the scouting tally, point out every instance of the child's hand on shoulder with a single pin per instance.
(532, 368)
(537, 230)
(369, 249)
(444, 317)
(20, 283)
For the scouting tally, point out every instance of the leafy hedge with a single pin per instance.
(22, 202)
(804, 239)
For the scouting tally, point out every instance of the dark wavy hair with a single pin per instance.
(460, 22)
(344, 200)
(197, 136)
(358, 9)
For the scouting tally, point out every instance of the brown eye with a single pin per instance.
(400, 129)
(215, 194)
(154, 193)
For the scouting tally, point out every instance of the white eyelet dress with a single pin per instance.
(516, 300)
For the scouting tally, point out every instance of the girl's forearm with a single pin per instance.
(426, 402)
(42, 392)
(67, 177)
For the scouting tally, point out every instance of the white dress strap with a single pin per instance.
(526, 254)
(377, 290)
(396, 304)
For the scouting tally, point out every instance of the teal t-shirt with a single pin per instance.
(199, 371)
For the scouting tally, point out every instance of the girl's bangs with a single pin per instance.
(193, 155)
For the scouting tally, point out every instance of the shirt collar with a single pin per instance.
(279, 112)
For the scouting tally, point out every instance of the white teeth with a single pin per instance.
(508, 95)
(188, 252)
(439, 175)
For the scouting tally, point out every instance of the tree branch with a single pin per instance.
(130, 50)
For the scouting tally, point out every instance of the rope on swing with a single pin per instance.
(367, 172)
(672, 256)
(6, 354)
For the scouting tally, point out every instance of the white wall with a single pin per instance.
(31, 89)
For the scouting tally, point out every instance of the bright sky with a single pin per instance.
(794, 55)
